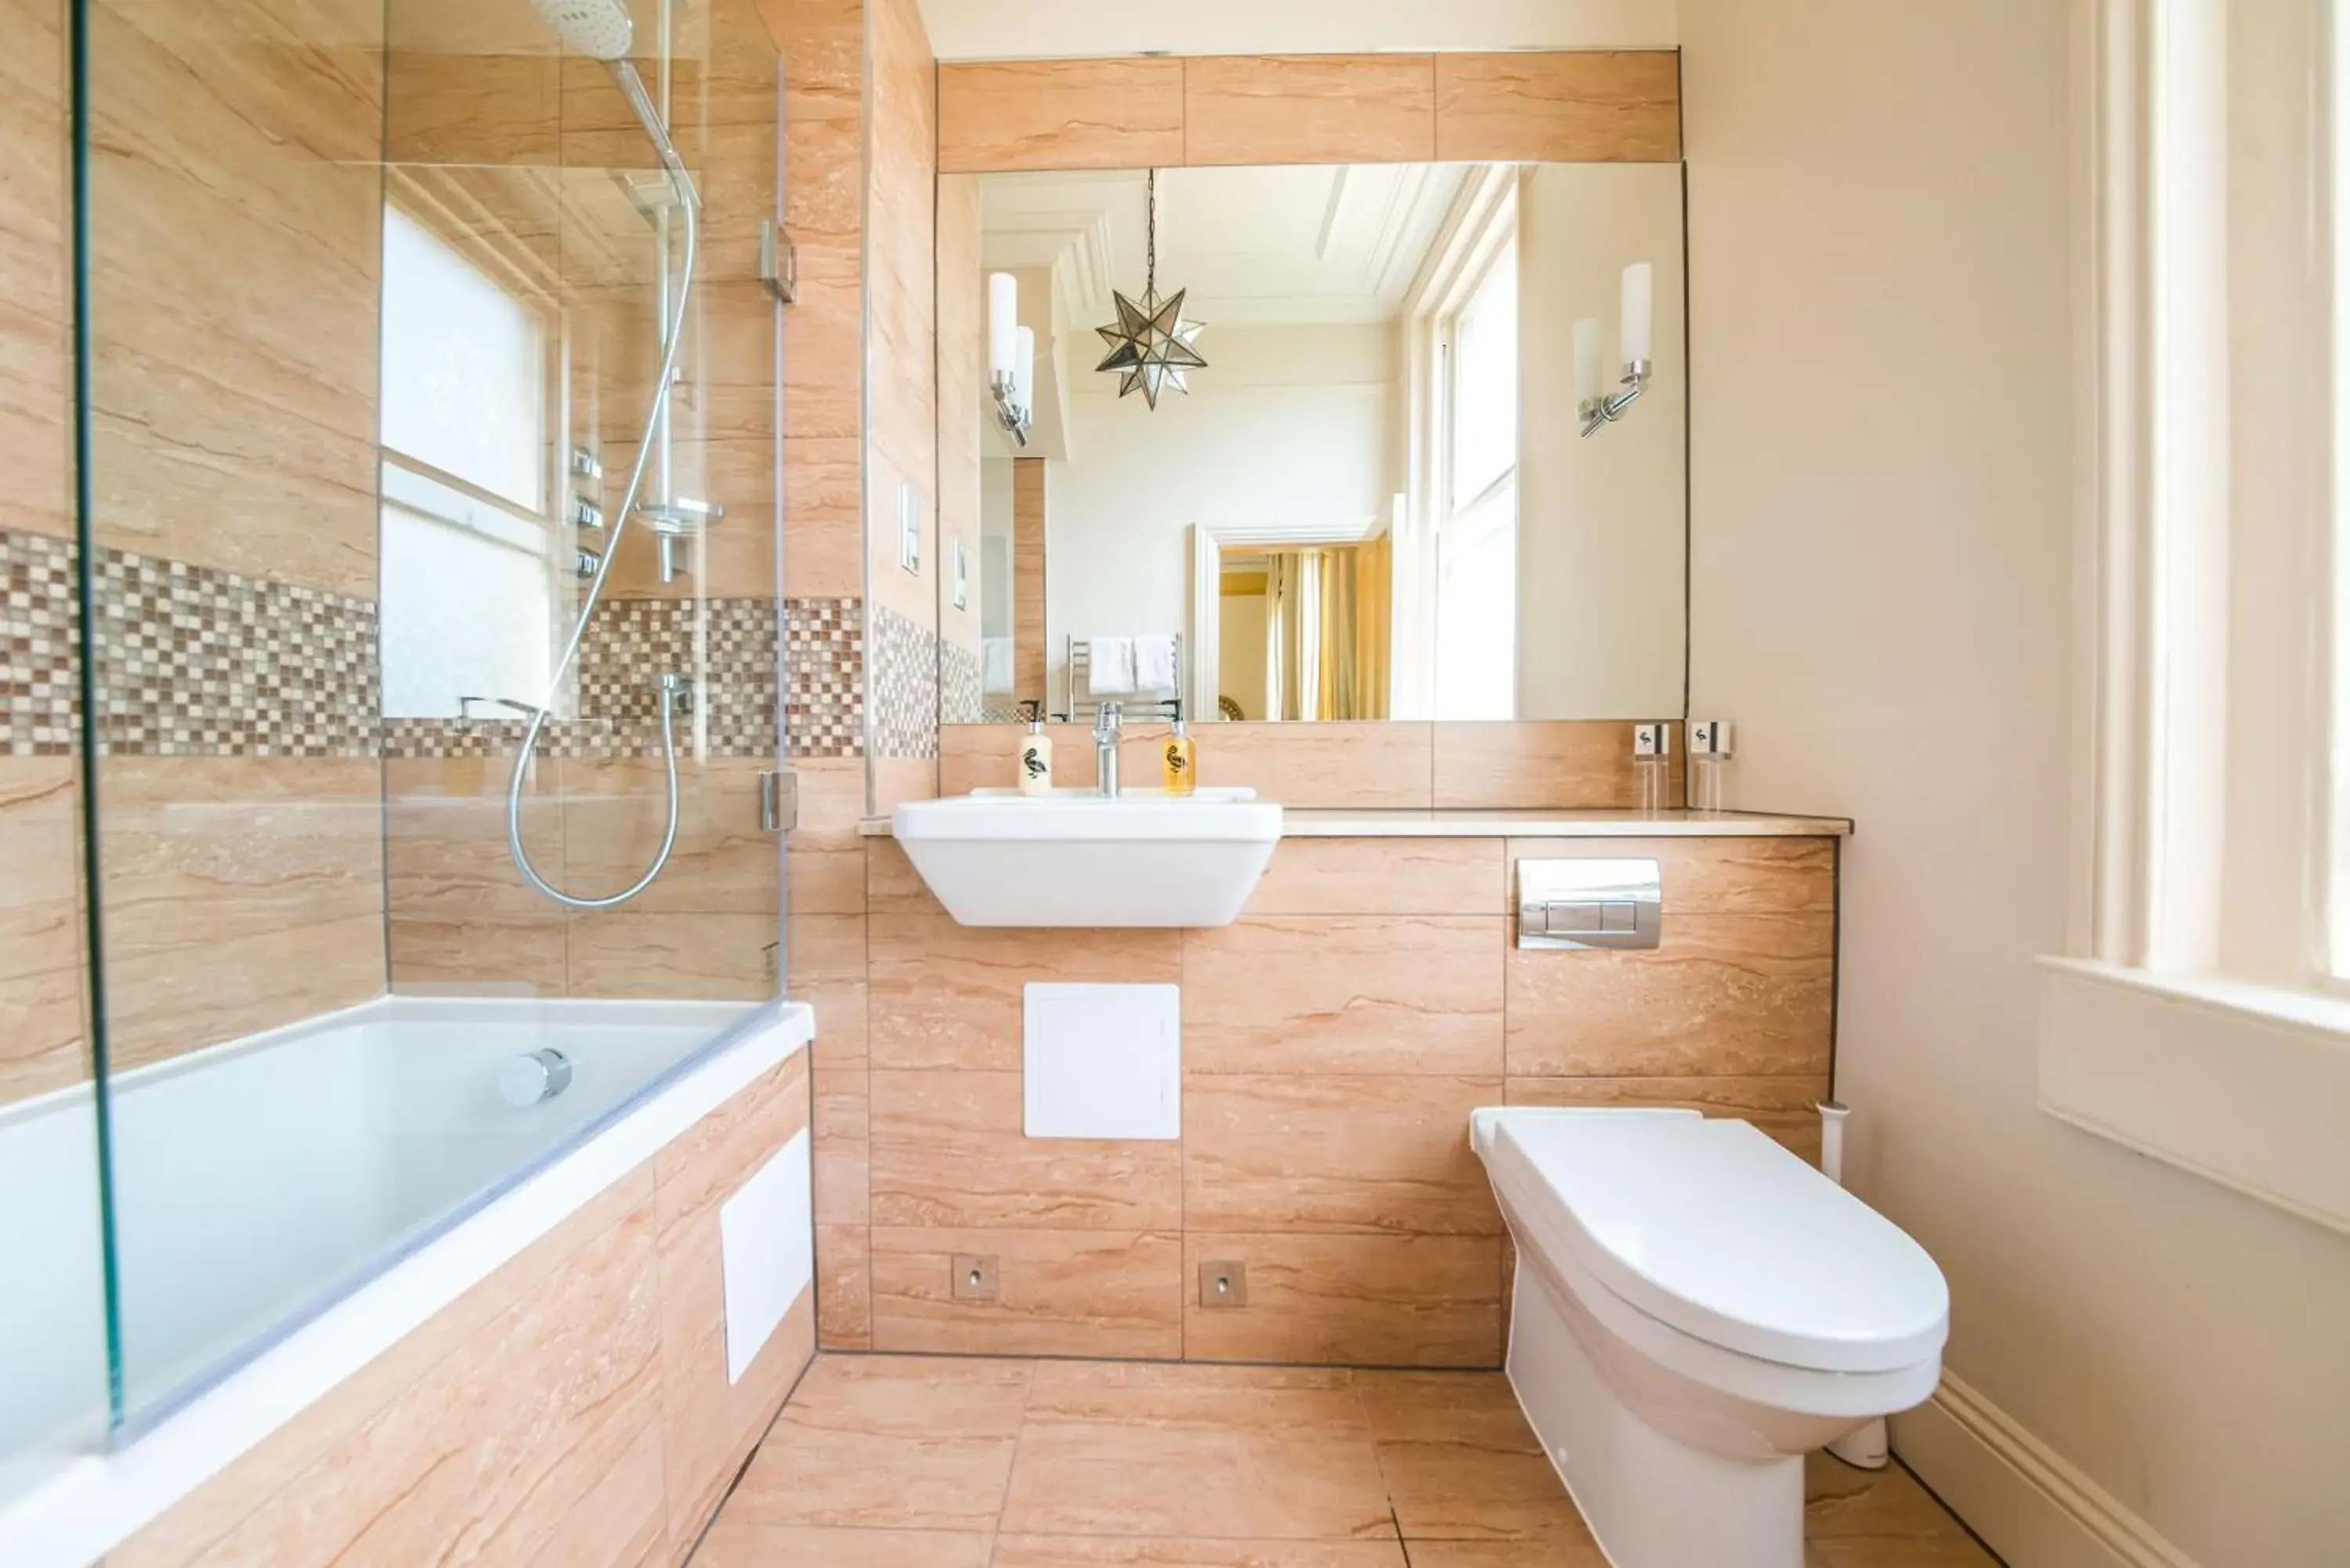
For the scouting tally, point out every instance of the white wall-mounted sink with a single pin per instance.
(1075, 857)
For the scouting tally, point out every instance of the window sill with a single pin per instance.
(2245, 1086)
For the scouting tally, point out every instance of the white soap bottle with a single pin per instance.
(1036, 759)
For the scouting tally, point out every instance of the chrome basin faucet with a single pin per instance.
(1108, 726)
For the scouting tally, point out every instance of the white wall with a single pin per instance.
(1242, 654)
(1602, 523)
(992, 29)
(1883, 488)
(1288, 425)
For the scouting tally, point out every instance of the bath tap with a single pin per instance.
(1108, 726)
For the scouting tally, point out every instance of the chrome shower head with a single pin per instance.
(600, 29)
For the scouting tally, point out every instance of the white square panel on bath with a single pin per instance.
(767, 1242)
(1102, 1061)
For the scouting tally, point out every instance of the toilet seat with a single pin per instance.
(1718, 1233)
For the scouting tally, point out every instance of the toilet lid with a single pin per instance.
(1712, 1227)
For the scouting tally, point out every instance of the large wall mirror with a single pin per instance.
(1349, 477)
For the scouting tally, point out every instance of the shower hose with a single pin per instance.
(669, 689)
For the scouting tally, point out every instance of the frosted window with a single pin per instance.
(464, 615)
(464, 367)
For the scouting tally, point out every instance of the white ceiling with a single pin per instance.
(1011, 29)
(1260, 246)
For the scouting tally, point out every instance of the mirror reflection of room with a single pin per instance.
(1331, 443)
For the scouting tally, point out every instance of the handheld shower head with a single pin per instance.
(600, 29)
(603, 30)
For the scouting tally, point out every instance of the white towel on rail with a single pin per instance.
(995, 664)
(1109, 666)
(1154, 664)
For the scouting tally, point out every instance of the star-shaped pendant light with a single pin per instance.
(1151, 347)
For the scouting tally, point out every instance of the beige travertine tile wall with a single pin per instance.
(573, 1408)
(235, 241)
(1389, 765)
(963, 403)
(902, 455)
(41, 967)
(1581, 106)
(236, 234)
(1335, 1038)
(529, 140)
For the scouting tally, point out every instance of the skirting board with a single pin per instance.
(2027, 1501)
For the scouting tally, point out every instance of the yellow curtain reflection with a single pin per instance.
(1327, 631)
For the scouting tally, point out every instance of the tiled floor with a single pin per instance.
(924, 1462)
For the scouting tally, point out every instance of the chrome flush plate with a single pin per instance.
(1590, 903)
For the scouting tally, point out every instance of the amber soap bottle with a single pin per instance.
(1180, 760)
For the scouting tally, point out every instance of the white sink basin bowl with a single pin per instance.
(1074, 857)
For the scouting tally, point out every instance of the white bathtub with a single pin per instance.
(288, 1206)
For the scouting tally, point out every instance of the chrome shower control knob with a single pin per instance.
(523, 1081)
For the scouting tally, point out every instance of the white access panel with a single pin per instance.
(1102, 1061)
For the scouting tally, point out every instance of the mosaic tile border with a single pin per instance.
(192, 660)
(824, 677)
(197, 662)
(905, 694)
(38, 687)
(727, 647)
(960, 702)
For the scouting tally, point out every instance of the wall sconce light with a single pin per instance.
(1011, 358)
(1598, 407)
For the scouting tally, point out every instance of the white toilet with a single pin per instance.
(1695, 1309)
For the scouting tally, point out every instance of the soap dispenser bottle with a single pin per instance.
(1035, 755)
(1178, 759)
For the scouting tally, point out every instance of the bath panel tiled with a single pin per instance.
(573, 1408)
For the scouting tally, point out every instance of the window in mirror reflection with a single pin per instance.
(1477, 536)
(1375, 502)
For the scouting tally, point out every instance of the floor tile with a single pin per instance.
(909, 1462)
(1557, 1553)
(733, 1544)
(1880, 1519)
(1110, 1552)
(907, 1442)
(1186, 1451)
(1461, 1464)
